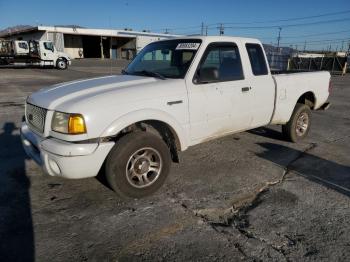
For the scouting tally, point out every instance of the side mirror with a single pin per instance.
(207, 75)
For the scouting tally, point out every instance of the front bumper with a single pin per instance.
(65, 159)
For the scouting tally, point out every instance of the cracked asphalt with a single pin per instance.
(246, 197)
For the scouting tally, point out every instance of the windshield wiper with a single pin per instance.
(150, 73)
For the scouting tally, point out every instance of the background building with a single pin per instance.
(81, 42)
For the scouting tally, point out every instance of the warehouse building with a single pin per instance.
(81, 42)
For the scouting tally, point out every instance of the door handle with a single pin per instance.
(246, 88)
(170, 103)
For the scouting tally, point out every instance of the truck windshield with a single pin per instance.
(165, 59)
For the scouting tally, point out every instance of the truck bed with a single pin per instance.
(291, 86)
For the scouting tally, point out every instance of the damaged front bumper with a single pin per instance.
(65, 159)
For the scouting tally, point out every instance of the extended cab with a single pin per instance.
(175, 94)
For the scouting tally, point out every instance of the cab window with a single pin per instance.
(257, 59)
(221, 62)
(23, 45)
(48, 46)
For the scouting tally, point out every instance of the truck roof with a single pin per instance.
(221, 38)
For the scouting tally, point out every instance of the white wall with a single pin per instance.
(57, 39)
(142, 41)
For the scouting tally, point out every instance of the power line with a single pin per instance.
(292, 19)
(287, 25)
(318, 41)
(177, 28)
(214, 25)
(312, 35)
(309, 35)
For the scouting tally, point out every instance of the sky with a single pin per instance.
(251, 18)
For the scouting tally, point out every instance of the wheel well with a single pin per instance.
(307, 99)
(166, 132)
(63, 58)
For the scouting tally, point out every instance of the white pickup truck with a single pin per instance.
(175, 94)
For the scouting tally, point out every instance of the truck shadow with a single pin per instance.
(316, 169)
(267, 132)
(16, 228)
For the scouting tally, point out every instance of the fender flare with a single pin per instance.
(147, 114)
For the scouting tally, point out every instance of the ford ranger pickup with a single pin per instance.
(175, 94)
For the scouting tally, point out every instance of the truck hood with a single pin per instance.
(52, 97)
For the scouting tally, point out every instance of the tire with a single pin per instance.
(298, 127)
(131, 169)
(61, 64)
(3, 62)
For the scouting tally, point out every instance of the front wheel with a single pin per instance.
(61, 64)
(298, 127)
(138, 165)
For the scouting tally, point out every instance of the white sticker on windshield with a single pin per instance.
(187, 46)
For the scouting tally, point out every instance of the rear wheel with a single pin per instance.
(61, 64)
(138, 165)
(298, 127)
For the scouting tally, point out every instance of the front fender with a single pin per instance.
(148, 114)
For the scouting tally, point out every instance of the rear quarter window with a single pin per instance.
(257, 59)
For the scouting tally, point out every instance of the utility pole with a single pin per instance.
(221, 29)
(279, 37)
(206, 30)
(101, 45)
(166, 31)
(342, 46)
(202, 28)
(305, 46)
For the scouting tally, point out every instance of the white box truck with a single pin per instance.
(20, 53)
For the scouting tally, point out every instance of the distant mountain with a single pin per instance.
(24, 27)
(14, 28)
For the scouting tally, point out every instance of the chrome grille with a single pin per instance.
(35, 117)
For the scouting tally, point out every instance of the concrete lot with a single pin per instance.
(250, 196)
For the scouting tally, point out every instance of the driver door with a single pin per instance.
(218, 99)
(47, 51)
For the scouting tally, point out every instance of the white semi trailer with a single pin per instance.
(19, 53)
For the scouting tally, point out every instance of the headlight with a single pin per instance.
(73, 124)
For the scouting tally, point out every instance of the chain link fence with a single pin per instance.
(286, 59)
